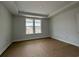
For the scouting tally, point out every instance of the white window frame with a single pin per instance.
(34, 26)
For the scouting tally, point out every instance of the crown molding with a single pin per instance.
(30, 14)
(62, 9)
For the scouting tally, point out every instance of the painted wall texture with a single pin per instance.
(5, 28)
(19, 29)
(63, 26)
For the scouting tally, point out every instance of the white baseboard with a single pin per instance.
(28, 39)
(66, 41)
(3, 49)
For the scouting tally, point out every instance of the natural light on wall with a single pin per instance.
(33, 26)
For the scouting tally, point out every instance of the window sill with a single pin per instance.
(34, 34)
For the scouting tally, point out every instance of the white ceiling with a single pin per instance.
(39, 7)
(11, 6)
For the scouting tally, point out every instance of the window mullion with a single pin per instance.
(34, 26)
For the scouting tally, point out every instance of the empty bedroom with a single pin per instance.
(39, 28)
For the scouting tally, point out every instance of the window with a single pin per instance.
(33, 26)
(37, 26)
(29, 26)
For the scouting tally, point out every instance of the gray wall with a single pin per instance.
(5, 28)
(63, 26)
(19, 29)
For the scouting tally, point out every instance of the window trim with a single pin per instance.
(34, 26)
